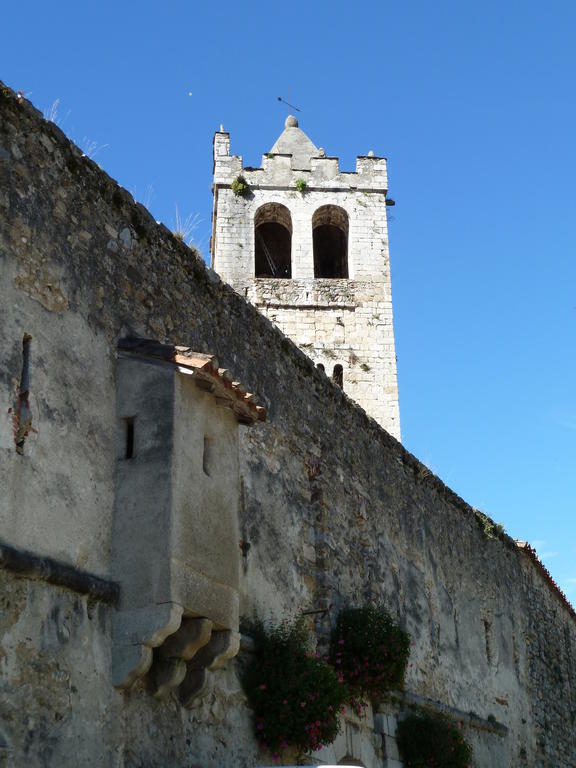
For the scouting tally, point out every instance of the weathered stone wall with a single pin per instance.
(340, 322)
(333, 509)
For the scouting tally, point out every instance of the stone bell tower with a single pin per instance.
(308, 245)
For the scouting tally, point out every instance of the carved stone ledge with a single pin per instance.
(165, 675)
(173, 652)
(130, 662)
(135, 634)
(223, 646)
(187, 640)
(169, 666)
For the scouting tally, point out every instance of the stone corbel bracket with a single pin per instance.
(136, 633)
(176, 654)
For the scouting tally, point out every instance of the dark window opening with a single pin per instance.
(330, 252)
(273, 249)
(338, 376)
(487, 633)
(207, 456)
(22, 416)
(129, 441)
(330, 239)
(273, 241)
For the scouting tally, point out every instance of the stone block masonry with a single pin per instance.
(332, 509)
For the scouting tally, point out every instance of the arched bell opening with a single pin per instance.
(273, 241)
(330, 239)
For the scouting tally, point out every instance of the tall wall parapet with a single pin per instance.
(332, 509)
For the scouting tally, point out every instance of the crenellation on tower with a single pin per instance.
(307, 244)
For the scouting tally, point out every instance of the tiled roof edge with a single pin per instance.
(206, 370)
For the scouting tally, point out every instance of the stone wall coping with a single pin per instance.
(31, 566)
(310, 188)
(296, 305)
(410, 699)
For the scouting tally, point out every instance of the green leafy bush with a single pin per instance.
(370, 651)
(432, 741)
(296, 696)
(240, 186)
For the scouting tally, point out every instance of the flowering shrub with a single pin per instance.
(296, 696)
(432, 741)
(370, 651)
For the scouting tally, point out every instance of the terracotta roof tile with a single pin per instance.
(206, 372)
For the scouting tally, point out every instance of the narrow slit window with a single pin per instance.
(207, 456)
(22, 417)
(338, 376)
(129, 438)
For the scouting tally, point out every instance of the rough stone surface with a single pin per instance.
(332, 508)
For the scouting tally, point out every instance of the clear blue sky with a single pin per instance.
(474, 106)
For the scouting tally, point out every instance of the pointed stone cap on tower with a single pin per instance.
(293, 141)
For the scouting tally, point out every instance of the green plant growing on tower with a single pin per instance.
(240, 186)
(301, 185)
